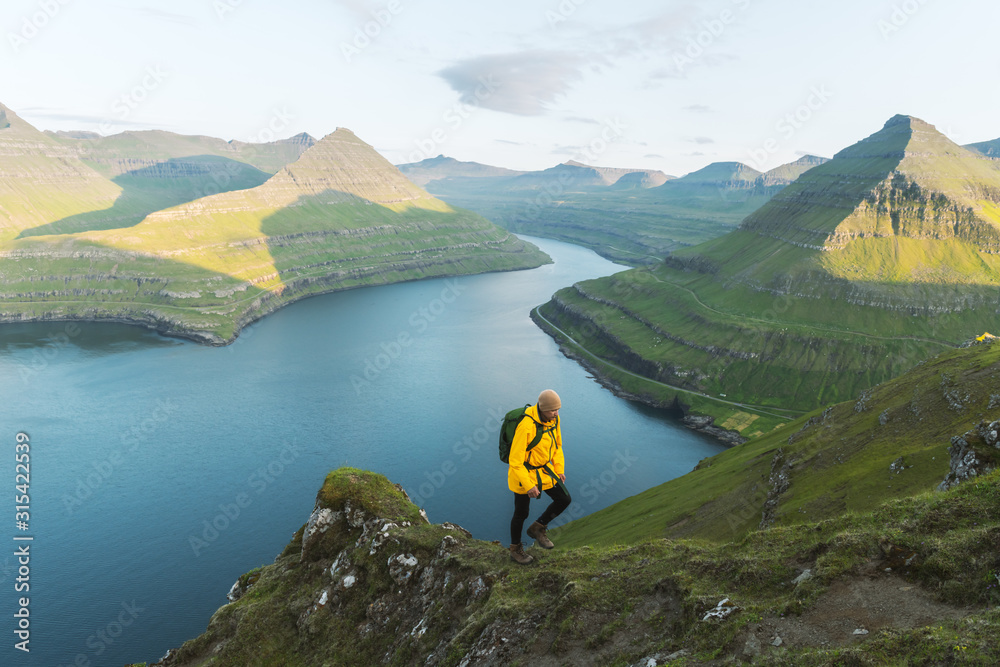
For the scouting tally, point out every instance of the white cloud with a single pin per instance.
(524, 84)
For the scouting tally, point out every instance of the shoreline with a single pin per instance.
(704, 424)
(269, 304)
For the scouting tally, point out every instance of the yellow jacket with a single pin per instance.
(548, 451)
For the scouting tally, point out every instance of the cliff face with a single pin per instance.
(906, 180)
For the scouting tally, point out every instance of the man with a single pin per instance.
(542, 468)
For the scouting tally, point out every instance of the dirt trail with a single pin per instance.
(855, 604)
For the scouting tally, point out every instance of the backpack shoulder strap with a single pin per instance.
(540, 430)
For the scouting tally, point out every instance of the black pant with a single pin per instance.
(560, 501)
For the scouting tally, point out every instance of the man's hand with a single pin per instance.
(563, 478)
(533, 492)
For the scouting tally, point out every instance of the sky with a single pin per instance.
(525, 84)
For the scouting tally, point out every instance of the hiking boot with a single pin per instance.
(538, 532)
(518, 555)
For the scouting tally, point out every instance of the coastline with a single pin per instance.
(265, 305)
(696, 422)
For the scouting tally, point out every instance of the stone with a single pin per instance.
(805, 576)
(965, 463)
(721, 611)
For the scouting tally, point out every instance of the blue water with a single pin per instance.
(161, 470)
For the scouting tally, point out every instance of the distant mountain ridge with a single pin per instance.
(123, 152)
(632, 216)
(440, 168)
(443, 168)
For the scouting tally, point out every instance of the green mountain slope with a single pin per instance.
(157, 170)
(42, 181)
(891, 443)
(862, 267)
(367, 581)
(987, 148)
(787, 173)
(340, 216)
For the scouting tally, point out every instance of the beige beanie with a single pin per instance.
(548, 400)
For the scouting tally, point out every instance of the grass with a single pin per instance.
(338, 217)
(612, 604)
(836, 460)
(860, 269)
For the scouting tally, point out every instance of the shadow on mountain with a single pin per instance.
(51, 337)
(803, 215)
(156, 187)
(339, 237)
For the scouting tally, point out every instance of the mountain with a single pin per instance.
(339, 216)
(641, 180)
(366, 580)
(156, 170)
(787, 173)
(632, 216)
(448, 173)
(718, 174)
(583, 175)
(42, 181)
(865, 265)
(439, 168)
(133, 150)
(987, 148)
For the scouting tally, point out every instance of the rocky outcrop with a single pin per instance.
(972, 454)
(362, 565)
(778, 483)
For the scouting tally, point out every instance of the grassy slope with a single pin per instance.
(157, 170)
(766, 317)
(42, 181)
(617, 605)
(837, 459)
(338, 217)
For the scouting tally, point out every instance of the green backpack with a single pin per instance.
(509, 427)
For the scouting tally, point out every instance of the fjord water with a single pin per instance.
(161, 470)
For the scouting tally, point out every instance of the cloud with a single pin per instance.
(508, 141)
(654, 155)
(160, 15)
(697, 108)
(523, 84)
(82, 120)
(580, 119)
(703, 140)
(655, 35)
(566, 150)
